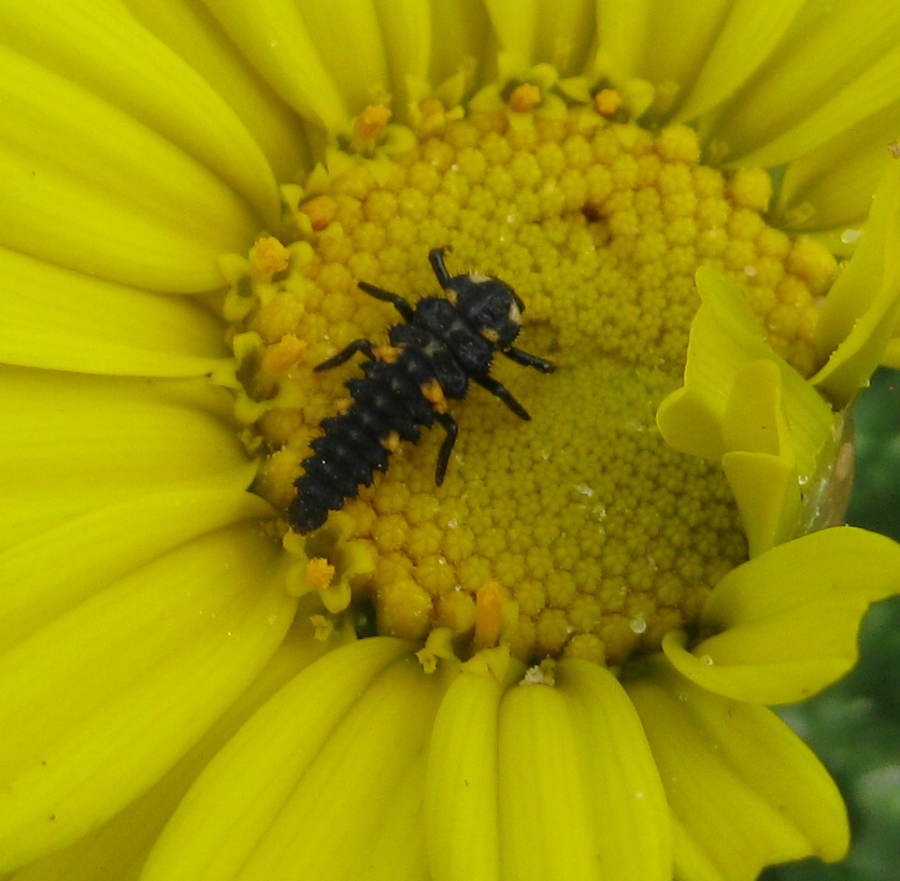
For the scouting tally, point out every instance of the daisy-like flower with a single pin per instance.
(556, 665)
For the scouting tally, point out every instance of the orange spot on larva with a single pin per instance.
(434, 394)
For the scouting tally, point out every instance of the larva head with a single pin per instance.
(489, 306)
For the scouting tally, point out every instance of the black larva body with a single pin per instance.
(442, 344)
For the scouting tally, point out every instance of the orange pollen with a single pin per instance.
(607, 102)
(525, 97)
(370, 123)
(267, 258)
(284, 354)
(321, 210)
(488, 614)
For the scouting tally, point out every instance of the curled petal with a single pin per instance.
(786, 622)
(745, 405)
(861, 312)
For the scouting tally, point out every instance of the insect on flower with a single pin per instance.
(442, 343)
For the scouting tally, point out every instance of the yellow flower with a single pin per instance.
(557, 665)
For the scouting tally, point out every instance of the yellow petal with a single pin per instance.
(63, 320)
(116, 850)
(461, 31)
(545, 816)
(406, 30)
(786, 622)
(461, 789)
(892, 354)
(516, 27)
(327, 828)
(629, 804)
(347, 37)
(861, 312)
(622, 29)
(132, 71)
(831, 187)
(193, 33)
(797, 102)
(743, 789)
(398, 852)
(534, 32)
(102, 701)
(278, 42)
(81, 442)
(50, 573)
(263, 770)
(675, 43)
(119, 202)
(745, 38)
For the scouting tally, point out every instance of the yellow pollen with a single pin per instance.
(607, 102)
(323, 627)
(524, 97)
(751, 187)
(267, 258)
(319, 573)
(371, 122)
(435, 394)
(578, 533)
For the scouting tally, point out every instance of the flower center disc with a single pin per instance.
(579, 532)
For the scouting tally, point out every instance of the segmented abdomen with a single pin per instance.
(387, 400)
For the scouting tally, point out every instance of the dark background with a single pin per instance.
(854, 726)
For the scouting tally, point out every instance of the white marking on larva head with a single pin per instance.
(475, 278)
(515, 316)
